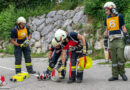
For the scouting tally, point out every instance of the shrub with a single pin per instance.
(95, 7)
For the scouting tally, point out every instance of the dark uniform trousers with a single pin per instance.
(18, 58)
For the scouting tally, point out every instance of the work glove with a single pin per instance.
(106, 41)
(84, 50)
(61, 68)
(25, 43)
(127, 37)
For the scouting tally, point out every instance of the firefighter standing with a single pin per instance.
(19, 38)
(115, 32)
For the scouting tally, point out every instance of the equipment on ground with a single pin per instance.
(2, 81)
(43, 76)
(19, 77)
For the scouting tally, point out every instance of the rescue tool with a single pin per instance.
(19, 77)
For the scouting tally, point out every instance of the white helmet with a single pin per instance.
(60, 35)
(109, 5)
(54, 43)
(21, 20)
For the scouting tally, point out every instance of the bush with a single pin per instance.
(68, 4)
(7, 19)
(127, 19)
(95, 7)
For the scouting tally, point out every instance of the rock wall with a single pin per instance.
(43, 27)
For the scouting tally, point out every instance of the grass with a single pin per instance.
(127, 65)
(97, 54)
(104, 63)
(35, 55)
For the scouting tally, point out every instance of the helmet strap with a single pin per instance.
(114, 11)
(19, 27)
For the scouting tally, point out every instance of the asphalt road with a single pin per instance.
(94, 78)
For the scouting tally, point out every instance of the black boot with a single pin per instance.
(70, 81)
(113, 79)
(79, 76)
(79, 81)
(32, 72)
(124, 77)
(73, 77)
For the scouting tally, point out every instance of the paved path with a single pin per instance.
(94, 78)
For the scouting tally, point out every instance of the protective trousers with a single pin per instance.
(18, 58)
(73, 74)
(116, 48)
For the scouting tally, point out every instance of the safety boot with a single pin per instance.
(78, 81)
(124, 77)
(32, 72)
(113, 79)
(70, 81)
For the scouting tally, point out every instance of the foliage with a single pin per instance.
(7, 20)
(97, 54)
(95, 7)
(127, 19)
(68, 4)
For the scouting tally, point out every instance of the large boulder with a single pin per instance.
(46, 30)
(40, 28)
(36, 35)
(60, 12)
(37, 44)
(44, 46)
(58, 17)
(51, 14)
(67, 22)
(77, 17)
(49, 20)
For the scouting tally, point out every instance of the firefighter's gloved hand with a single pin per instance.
(106, 41)
(61, 68)
(25, 43)
(127, 38)
(84, 50)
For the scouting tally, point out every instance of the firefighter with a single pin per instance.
(115, 33)
(20, 36)
(72, 41)
(53, 56)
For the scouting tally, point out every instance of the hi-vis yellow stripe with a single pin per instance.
(28, 64)
(18, 66)
(49, 68)
(73, 67)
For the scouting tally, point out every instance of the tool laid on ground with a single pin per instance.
(43, 76)
(55, 75)
(19, 77)
(2, 81)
